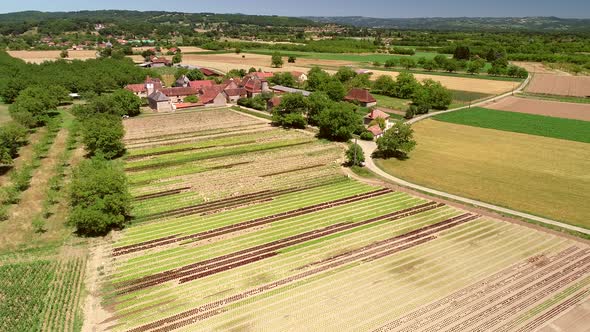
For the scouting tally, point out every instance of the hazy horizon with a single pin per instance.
(368, 8)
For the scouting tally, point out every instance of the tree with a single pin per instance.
(335, 90)
(397, 141)
(276, 60)
(291, 110)
(292, 59)
(99, 197)
(385, 85)
(339, 122)
(285, 79)
(390, 63)
(429, 65)
(251, 70)
(191, 99)
(355, 155)
(359, 81)
(102, 134)
(317, 101)
(405, 85)
(238, 50)
(462, 53)
(63, 54)
(12, 137)
(407, 63)
(376, 64)
(316, 78)
(474, 67)
(177, 58)
(195, 75)
(451, 65)
(147, 54)
(431, 95)
(440, 61)
(345, 74)
(126, 102)
(33, 106)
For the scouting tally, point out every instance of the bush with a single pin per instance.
(191, 99)
(354, 155)
(367, 136)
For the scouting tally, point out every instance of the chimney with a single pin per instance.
(150, 88)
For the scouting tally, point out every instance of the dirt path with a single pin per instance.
(18, 228)
(25, 154)
(94, 312)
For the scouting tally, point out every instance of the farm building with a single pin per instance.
(234, 94)
(263, 75)
(376, 114)
(254, 85)
(177, 94)
(376, 131)
(208, 72)
(142, 90)
(182, 81)
(158, 101)
(160, 62)
(361, 96)
(200, 84)
(213, 96)
(299, 76)
(279, 89)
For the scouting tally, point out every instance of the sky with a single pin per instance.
(369, 8)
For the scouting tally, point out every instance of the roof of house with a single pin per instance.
(160, 60)
(208, 72)
(136, 87)
(287, 89)
(361, 95)
(235, 92)
(376, 113)
(149, 79)
(262, 74)
(297, 74)
(179, 91)
(187, 105)
(209, 93)
(252, 83)
(362, 71)
(376, 130)
(200, 84)
(182, 80)
(158, 96)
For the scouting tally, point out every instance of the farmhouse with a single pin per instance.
(254, 85)
(182, 81)
(142, 90)
(158, 101)
(160, 62)
(361, 96)
(177, 94)
(213, 96)
(200, 84)
(279, 89)
(376, 114)
(299, 76)
(376, 131)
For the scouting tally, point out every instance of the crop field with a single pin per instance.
(554, 108)
(41, 56)
(532, 124)
(250, 228)
(539, 175)
(563, 85)
(41, 294)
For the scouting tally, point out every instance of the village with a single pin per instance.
(217, 91)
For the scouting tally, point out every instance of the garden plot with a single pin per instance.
(283, 241)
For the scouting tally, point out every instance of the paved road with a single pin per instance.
(369, 147)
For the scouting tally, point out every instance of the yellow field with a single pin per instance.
(538, 175)
(41, 56)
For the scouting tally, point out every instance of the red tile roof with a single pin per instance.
(375, 113)
(296, 74)
(361, 95)
(376, 130)
(161, 60)
(274, 102)
(263, 75)
(179, 91)
(209, 93)
(208, 72)
(187, 105)
(235, 92)
(200, 84)
(136, 88)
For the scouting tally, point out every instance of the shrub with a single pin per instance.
(355, 155)
(367, 136)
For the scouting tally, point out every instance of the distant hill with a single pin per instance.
(537, 24)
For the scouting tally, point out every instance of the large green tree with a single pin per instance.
(398, 141)
(102, 134)
(339, 122)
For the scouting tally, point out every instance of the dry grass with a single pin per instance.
(41, 56)
(539, 175)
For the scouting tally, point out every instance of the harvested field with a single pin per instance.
(295, 245)
(41, 56)
(576, 111)
(563, 85)
(502, 168)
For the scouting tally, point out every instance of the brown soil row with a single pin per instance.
(159, 153)
(402, 242)
(185, 273)
(531, 283)
(486, 285)
(293, 170)
(161, 194)
(250, 223)
(543, 107)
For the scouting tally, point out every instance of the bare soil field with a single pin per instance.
(298, 246)
(543, 107)
(563, 85)
(534, 67)
(41, 56)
